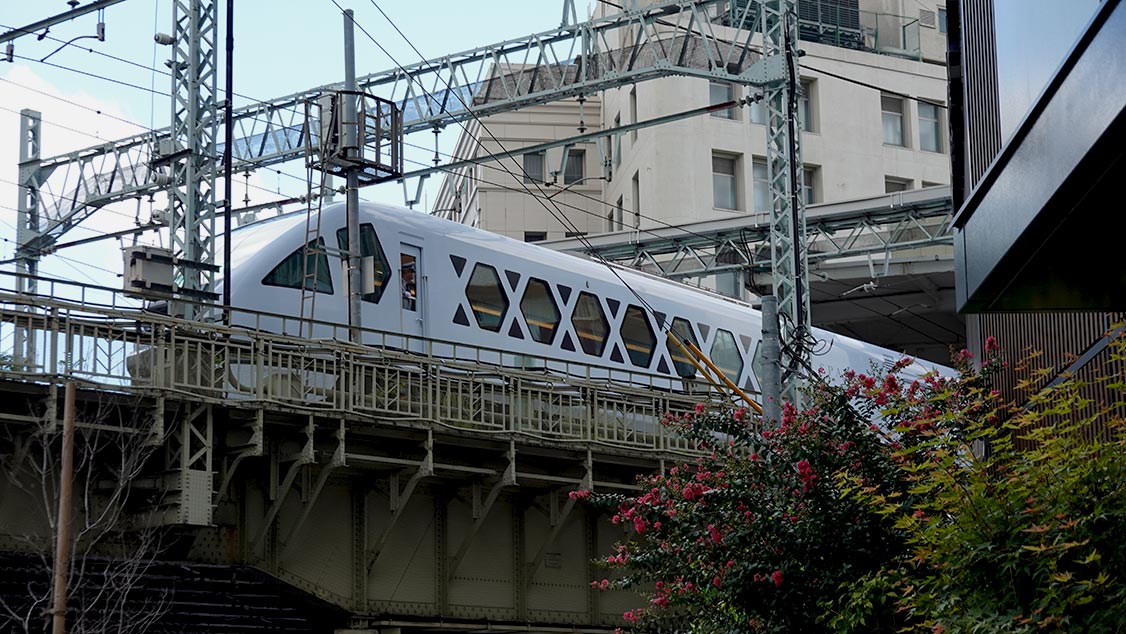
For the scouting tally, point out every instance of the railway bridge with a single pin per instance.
(237, 480)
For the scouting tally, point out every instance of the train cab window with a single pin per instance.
(638, 336)
(725, 354)
(369, 247)
(590, 324)
(682, 330)
(486, 297)
(301, 266)
(540, 311)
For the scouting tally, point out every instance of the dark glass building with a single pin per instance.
(1038, 124)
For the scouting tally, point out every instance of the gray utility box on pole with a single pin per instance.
(148, 271)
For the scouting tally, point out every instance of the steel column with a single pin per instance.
(27, 223)
(191, 151)
(787, 210)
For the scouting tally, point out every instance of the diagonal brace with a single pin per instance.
(400, 500)
(507, 480)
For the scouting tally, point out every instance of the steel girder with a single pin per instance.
(880, 225)
(667, 38)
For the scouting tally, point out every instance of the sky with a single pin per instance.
(281, 47)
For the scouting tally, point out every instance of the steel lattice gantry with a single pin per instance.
(663, 39)
(667, 38)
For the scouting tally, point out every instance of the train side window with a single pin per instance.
(290, 272)
(369, 246)
(725, 354)
(638, 336)
(682, 330)
(540, 311)
(590, 324)
(486, 297)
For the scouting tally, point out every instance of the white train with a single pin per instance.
(439, 280)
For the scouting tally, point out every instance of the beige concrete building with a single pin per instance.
(872, 113)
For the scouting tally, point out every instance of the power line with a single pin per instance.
(557, 213)
(803, 65)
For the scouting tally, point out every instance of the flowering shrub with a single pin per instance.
(869, 511)
(1017, 526)
(755, 534)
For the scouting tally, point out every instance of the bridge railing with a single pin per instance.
(442, 383)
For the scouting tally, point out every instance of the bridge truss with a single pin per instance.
(578, 58)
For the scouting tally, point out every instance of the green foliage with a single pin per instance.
(1020, 526)
(887, 505)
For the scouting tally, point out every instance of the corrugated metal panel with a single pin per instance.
(982, 106)
(1054, 342)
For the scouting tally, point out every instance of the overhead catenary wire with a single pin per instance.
(557, 213)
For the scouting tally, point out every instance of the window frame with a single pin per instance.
(934, 124)
(575, 156)
(537, 326)
(589, 336)
(473, 307)
(717, 359)
(528, 176)
(730, 94)
(806, 112)
(638, 357)
(379, 255)
(321, 264)
(756, 163)
(731, 179)
(900, 115)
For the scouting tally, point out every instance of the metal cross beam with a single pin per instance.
(880, 225)
(667, 38)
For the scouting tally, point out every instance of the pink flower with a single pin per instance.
(991, 344)
(581, 494)
(776, 577)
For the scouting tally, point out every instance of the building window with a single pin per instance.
(636, 200)
(540, 312)
(722, 92)
(590, 324)
(535, 236)
(574, 170)
(941, 20)
(809, 185)
(725, 354)
(930, 130)
(760, 185)
(725, 193)
(892, 185)
(369, 247)
(805, 107)
(892, 111)
(615, 216)
(486, 297)
(573, 234)
(633, 111)
(533, 167)
(638, 336)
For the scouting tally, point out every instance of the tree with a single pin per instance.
(112, 542)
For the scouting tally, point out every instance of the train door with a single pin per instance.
(412, 284)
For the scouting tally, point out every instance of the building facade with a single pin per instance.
(1036, 164)
(872, 112)
(874, 121)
